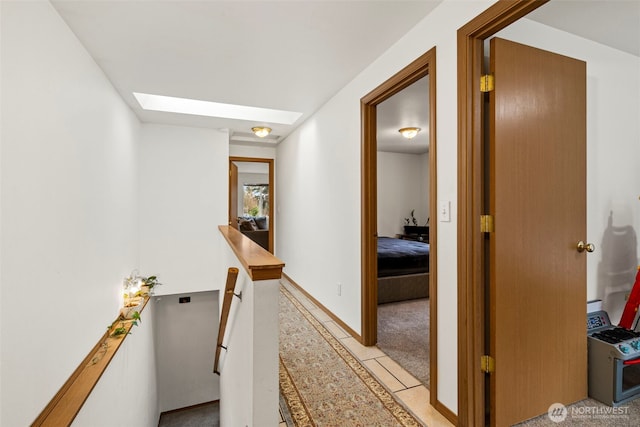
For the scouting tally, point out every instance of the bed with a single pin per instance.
(403, 270)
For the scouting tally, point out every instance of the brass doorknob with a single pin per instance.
(582, 246)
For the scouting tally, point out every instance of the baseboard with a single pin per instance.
(186, 408)
(328, 312)
(446, 412)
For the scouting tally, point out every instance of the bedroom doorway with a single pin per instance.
(478, 332)
(422, 67)
(251, 198)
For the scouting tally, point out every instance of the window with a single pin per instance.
(255, 200)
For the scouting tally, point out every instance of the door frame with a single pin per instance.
(471, 271)
(422, 66)
(271, 193)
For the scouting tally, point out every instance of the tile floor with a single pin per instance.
(408, 389)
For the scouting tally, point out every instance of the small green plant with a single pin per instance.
(151, 282)
(136, 318)
(122, 329)
(254, 211)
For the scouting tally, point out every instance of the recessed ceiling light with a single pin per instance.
(172, 104)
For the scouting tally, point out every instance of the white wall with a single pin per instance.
(126, 394)
(403, 186)
(324, 155)
(69, 206)
(613, 150)
(185, 349)
(184, 181)
(247, 151)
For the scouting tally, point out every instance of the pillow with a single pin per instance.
(246, 225)
(261, 222)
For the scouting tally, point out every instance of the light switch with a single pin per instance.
(444, 211)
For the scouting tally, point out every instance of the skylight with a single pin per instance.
(171, 104)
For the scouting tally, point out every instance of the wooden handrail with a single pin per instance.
(65, 405)
(229, 293)
(259, 263)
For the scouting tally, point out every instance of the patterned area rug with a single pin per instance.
(322, 383)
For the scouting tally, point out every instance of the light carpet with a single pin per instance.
(322, 383)
(403, 334)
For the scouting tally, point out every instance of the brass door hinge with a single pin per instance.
(487, 364)
(486, 83)
(486, 224)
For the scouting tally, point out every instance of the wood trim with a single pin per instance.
(369, 200)
(424, 65)
(328, 312)
(446, 412)
(433, 237)
(400, 80)
(471, 297)
(272, 201)
(259, 264)
(65, 405)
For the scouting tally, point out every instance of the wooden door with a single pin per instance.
(233, 194)
(537, 196)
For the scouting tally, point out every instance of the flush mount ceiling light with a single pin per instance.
(409, 133)
(261, 132)
(171, 104)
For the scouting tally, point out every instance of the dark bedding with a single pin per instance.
(397, 257)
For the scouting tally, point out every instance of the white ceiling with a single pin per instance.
(614, 23)
(407, 108)
(288, 55)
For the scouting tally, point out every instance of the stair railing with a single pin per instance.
(229, 293)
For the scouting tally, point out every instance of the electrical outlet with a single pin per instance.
(339, 289)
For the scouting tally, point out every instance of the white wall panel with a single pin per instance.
(403, 186)
(127, 393)
(184, 182)
(69, 205)
(185, 348)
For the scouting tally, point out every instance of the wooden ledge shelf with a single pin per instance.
(259, 263)
(65, 405)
